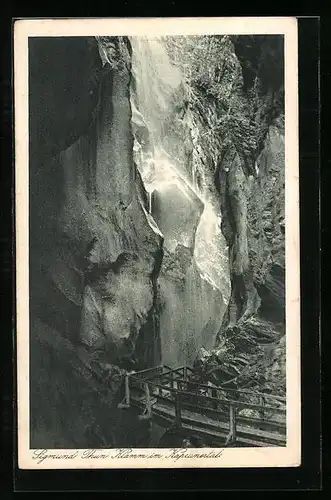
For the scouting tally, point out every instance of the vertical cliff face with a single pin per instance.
(234, 87)
(254, 322)
(251, 184)
(95, 252)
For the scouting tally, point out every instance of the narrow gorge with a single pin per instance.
(157, 232)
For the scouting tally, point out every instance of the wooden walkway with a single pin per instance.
(220, 416)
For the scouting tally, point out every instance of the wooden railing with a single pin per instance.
(173, 386)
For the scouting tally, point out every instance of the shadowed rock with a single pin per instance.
(95, 253)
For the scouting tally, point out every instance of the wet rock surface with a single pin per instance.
(94, 253)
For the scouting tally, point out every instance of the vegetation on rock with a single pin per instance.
(233, 101)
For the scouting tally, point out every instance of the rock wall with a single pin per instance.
(251, 184)
(95, 252)
(253, 215)
(234, 92)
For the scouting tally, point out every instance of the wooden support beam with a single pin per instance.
(214, 395)
(178, 407)
(147, 414)
(233, 423)
(125, 403)
(148, 401)
(262, 403)
(178, 417)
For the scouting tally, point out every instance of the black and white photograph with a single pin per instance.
(157, 189)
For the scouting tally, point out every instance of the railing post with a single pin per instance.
(148, 401)
(214, 395)
(172, 380)
(127, 390)
(178, 418)
(262, 403)
(148, 406)
(233, 423)
(126, 400)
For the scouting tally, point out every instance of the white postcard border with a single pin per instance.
(289, 456)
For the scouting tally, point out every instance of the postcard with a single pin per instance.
(157, 243)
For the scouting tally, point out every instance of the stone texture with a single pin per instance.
(95, 251)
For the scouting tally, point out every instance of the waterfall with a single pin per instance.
(194, 276)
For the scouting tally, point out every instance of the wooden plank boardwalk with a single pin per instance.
(220, 416)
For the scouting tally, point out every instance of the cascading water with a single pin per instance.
(194, 282)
